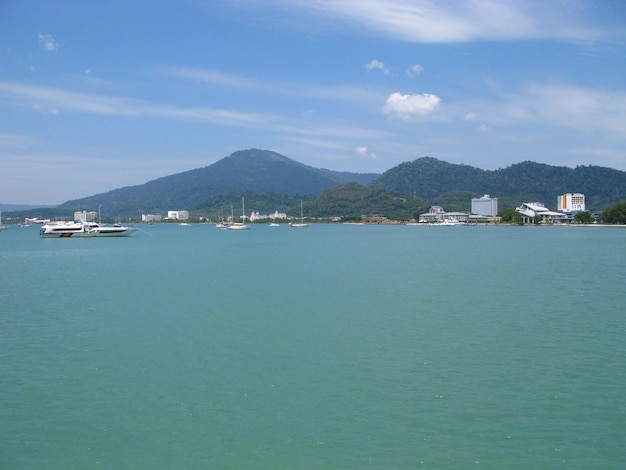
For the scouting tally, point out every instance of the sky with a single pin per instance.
(98, 95)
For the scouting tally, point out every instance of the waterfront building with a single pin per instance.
(84, 215)
(150, 217)
(571, 202)
(437, 214)
(178, 215)
(486, 205)
(531, 210)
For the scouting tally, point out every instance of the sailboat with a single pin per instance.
(301, 224)
(240, 225)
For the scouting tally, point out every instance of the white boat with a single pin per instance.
(300, 224)
(84, 230)
(448, 222)
(240, 225)
(274, 224)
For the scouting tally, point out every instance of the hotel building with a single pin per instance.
(570, 202)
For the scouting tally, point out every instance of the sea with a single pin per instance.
(329, 347)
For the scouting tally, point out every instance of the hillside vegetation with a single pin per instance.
(272, 182)
(452, 186)
(259, 171)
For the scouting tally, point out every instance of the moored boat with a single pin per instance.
(84, 230)
(240, 225)
(448, 222)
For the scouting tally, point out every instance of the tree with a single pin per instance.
(583, 217)
(511, 216)
(615, 214)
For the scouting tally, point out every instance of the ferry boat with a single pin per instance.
(83, 230)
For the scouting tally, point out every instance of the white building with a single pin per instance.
(437, 214)
(485, 205)
(178, 215)
(255, 215)
(84, 215)
(570, 202)
(530, 211)
(150, 218)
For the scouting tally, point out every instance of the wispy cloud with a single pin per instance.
(556, 105)
(574, 107)
(433, 21)
(377, 65)
(45, 99)
(56, 100)
(364, 152)
(216, 77)
(415, 69)
(14, 141)
(409, 108)
(285, 88)
(47, 42)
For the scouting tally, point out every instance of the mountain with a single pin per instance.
(252, 170)
(271, 181)
(452, 186)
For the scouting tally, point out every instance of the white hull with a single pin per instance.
(300, 224)
(238, 226)
(447, 223)
(87, 230)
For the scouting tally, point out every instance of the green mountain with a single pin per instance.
(270, 181)
(452, 186)
(259, 171)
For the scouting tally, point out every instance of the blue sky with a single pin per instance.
(96, 95)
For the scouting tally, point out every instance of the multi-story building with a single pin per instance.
(530, 211)
(178, 215)
(486, 205)
(84, 216)
(150, 217)
(571, 202)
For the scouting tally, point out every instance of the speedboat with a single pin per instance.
(84, 230)
(448, 222)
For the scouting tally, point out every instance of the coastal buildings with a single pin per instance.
(536, 211)
(571, 202)
(486, 205)
(255, 215)
(437, 214)
(150, 217)
(84, 215)
(178, 215)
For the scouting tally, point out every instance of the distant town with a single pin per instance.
(484, 210)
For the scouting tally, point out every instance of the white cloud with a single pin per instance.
(470, 117)
(575, 107)
(415, 69)
(47, 42)
(377, 65)
(561, 105)
(432, 21)
(333, 92)
(13, 141)
(363, 151)
(54, 100)
(410, 107)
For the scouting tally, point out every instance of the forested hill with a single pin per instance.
(271, 181)
(434, 179)
(252, 170)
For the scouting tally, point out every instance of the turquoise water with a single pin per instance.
(329, 347)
